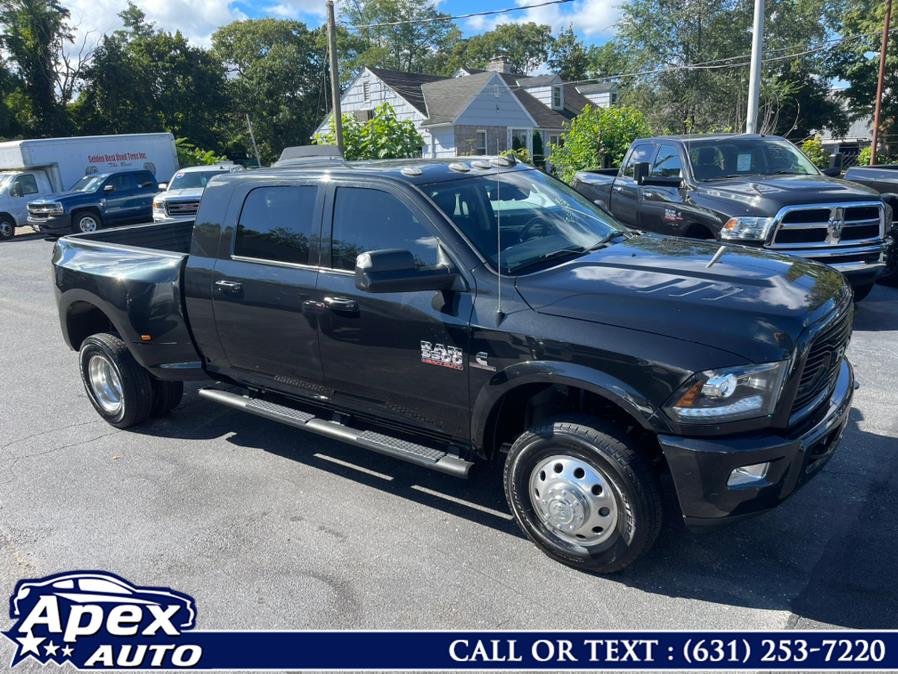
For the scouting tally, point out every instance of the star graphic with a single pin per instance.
(67, 651)
(30, 644)
(51, 648)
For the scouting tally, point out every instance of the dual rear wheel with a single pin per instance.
(122, 391)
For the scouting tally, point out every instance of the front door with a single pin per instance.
(395, 356)
(661, 206)
(625, 192)
(263, 290)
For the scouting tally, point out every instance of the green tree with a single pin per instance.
(418, 45)
(608, 60)
(143, 79)
(568, 56)
(384, 136)
(596, 138)
(276, 75)
(525, 45)
(38, 42)
(190, 155)
(857, 62)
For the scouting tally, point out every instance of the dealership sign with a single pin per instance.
(95, 620)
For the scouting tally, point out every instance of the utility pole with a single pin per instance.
(335, 75)
(883, 52)
(252, 137)
(754, 81)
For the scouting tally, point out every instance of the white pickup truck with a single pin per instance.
(180, 198)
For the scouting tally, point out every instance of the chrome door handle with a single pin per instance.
(341, 304)
(618, 188)
(227, 286)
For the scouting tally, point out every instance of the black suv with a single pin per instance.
(446, 313)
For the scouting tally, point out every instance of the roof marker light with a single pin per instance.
(410, 171)
(459, 166)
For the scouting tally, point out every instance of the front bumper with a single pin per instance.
(51, 224)
(701, 466)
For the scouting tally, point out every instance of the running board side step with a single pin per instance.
(404, 450)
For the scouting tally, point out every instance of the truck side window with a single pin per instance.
(366, 219)
(639, 154)
(278, 223)
(27, 184)
(667, 163)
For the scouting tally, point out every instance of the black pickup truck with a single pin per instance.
(883, 179)
(750, 189)
(448, 313)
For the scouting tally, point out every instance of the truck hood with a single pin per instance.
(187, 193)
(765, 195)
(750, 303)
(63, 196)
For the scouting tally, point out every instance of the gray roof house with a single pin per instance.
(475, 112)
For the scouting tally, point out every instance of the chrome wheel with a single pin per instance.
(87, 223)
(105, 383)
(574, 499)
(7, 229)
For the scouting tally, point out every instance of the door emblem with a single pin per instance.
(444, 356)
(835, 225)
(481, 362)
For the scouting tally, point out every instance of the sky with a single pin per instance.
(593, 20)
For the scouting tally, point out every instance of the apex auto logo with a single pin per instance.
(96, 620)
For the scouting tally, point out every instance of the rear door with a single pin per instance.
(625, 191)
(263, 287)
(400, 356)
(660, 206)
(119, 199)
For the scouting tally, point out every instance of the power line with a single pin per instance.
(719, 64)
(435, 19)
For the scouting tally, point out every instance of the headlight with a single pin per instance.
(55, 208)
(158, 205)
(746, 229)
(734, 393)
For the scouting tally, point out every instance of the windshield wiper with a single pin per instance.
(553, 255)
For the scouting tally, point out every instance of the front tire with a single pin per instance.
(583, 493)
(117, 386)
(85, 222)
(7, 229)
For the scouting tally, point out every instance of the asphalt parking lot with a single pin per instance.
(268, 527)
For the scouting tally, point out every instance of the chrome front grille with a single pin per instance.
(181, 208)
(821, 365)
(840, 234)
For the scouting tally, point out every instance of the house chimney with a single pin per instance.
(499, 64)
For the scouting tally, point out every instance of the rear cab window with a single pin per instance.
(279, 223)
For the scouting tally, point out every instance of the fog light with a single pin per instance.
(745, 476)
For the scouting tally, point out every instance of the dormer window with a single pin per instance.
(557, 98)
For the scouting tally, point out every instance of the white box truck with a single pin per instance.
(38, 168)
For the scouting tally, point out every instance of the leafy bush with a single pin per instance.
(190, 155)
(382, 137)
(520, 154)
(813, 148)
(596, 138)
(863, 159)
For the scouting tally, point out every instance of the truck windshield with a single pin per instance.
(185, 180)
(88, 184)
(736, 157)
(530, 218)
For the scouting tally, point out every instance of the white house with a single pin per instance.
(475, 112)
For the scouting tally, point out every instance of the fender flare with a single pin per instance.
(643, 411)
(76, 295)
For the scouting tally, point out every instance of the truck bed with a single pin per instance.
(130, 281)
(173, 237)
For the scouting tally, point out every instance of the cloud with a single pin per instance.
(297, 9)
(590, 18)
(196, 19)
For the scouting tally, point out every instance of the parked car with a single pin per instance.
(883, 179)
(96, 201)
(748, 189)
(180, 198)
(448, 313)
(39, 168)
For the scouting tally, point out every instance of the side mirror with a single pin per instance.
(394, 271)
(108, 188)
(641, 172)
(836, 163)
(163, 187)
